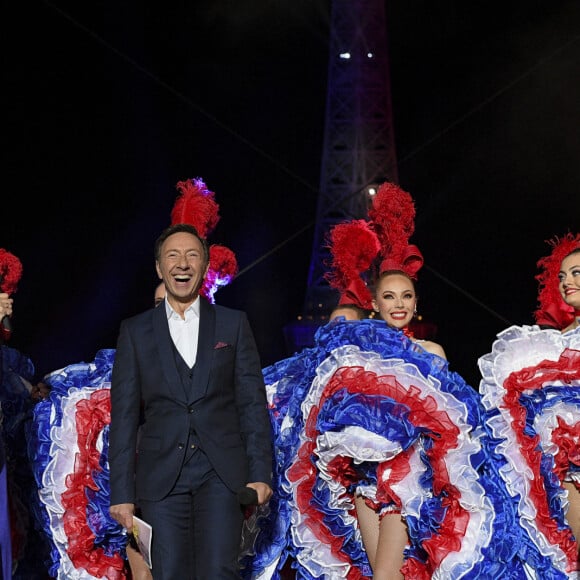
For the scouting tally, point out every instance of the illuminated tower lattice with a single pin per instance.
(358, 149)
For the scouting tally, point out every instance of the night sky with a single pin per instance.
(108, 104)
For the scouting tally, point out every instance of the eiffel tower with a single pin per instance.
(358, 148)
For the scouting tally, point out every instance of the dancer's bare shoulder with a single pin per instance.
(432, 347)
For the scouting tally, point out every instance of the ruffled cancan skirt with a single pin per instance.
(367, 411)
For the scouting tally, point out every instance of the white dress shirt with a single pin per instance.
(185, 332)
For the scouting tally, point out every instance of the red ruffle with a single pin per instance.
(91, 417)
(565, 369)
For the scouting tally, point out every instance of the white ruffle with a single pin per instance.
(517, 348)
(63, 451)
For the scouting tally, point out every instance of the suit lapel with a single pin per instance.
(205, 344)
(166, 353)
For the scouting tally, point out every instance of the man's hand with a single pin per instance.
(123, 513)
(5, 305)
(263, 490)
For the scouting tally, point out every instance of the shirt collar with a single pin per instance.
(192, 310)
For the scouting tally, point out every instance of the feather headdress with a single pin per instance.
(354, 246)
(196, 205)
(552, 310)
(223, 268)
(393, 217)
(358, 245)
(10, 271)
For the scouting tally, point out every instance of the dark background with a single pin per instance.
(108, 104)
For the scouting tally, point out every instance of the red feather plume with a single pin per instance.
(353, 246)
(195, 205)
(223, 266)
(10, 271)
(552, 310)
(393, 218)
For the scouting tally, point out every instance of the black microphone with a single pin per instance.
(248, 496)
(7, 324)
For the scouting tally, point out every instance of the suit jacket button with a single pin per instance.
(190, 410)
(181, 446)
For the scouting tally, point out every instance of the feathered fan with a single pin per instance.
(10, 271)
(10, 274)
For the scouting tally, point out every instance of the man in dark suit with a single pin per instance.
(192, 371)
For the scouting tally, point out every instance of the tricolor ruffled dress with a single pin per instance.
(368, 411)
(365, 411)
(68, 450)
(531, 391)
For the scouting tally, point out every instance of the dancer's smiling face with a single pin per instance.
(395, 299)
(569, 280)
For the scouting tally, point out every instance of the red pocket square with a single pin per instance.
(220, 345)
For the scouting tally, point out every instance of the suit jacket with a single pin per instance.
(226, 407)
